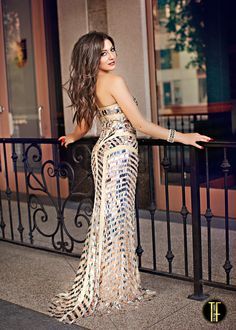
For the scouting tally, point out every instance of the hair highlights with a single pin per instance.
(84, 67)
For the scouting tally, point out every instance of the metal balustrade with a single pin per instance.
(46, 203)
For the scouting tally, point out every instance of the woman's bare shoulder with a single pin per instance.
(116, 81)
(110, 80)
(114, 78)
(108, 86)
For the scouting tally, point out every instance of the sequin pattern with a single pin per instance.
(108, 275)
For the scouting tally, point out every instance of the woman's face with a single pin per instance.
(108, 57)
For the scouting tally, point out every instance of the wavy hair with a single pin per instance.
(85, 59)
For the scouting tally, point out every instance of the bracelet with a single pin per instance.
(171, 136)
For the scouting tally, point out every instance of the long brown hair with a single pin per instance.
(84, 66)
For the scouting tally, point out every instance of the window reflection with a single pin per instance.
(180, 64)
(195, 42)
(20, 68)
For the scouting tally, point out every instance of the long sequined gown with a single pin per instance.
(108, 277)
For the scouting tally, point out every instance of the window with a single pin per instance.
(195, 68)
(177, 92)
(167, 93)
(202, 88)
(172, 93)
(165, 58)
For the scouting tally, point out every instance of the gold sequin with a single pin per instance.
(108, 277)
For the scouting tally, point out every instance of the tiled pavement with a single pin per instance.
(16, 317)
(29, 278)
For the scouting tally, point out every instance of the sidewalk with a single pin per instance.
(30, 278)
(15, 317)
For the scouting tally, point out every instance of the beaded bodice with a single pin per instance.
(113, 118)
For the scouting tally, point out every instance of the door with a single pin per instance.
(24, 96)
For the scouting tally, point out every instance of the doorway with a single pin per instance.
(26, 109)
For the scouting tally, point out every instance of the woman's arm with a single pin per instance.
(120, 92)
(78, 133)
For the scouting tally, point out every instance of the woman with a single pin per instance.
(108, 275)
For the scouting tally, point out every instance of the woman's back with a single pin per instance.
(103, 90)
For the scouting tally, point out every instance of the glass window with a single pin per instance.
(177, 92)
(20, 68)
(202, 90)
(167, 93)
(165, 57)
(195, 42)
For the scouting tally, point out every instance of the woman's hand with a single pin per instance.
(78, 133)
(193, 138)
(65, 140)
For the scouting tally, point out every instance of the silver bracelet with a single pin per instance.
(171, 136)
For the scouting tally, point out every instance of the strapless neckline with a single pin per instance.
(108, 106)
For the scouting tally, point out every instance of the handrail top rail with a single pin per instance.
(141, 141)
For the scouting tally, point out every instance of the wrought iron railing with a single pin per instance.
(184, 123)
(227, 223)
(40, 198)
(46, 200)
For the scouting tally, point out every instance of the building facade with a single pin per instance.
(178, 58)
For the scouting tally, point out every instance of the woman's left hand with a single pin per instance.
(193, 138)
(67, 139)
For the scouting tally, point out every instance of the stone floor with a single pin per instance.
(15, 317)
(30, 278)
